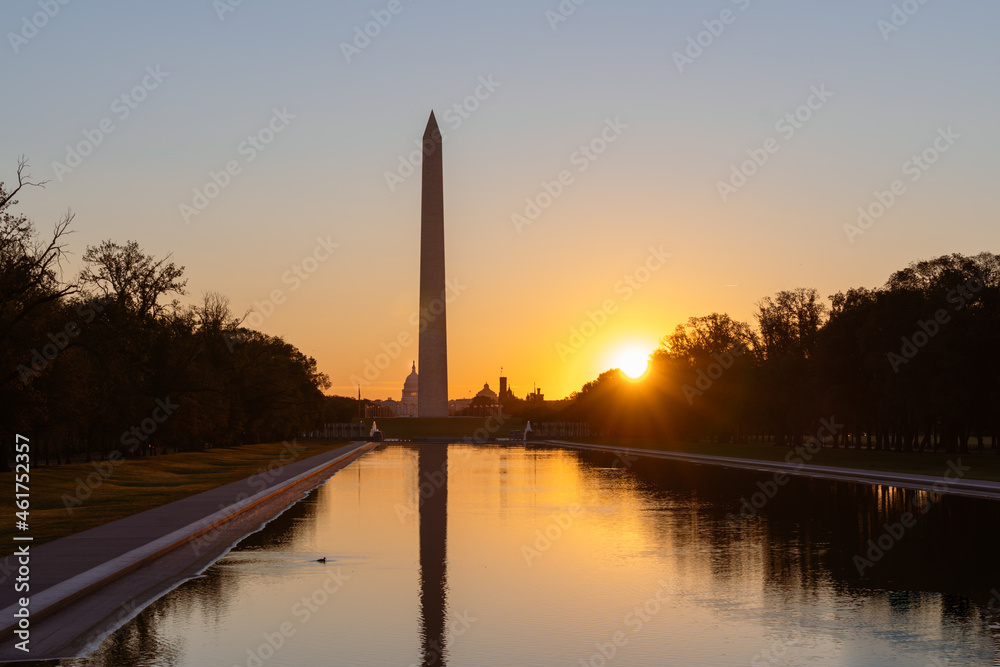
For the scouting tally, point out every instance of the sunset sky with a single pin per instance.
(639, 223)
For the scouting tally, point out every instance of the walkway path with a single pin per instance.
(86, 585)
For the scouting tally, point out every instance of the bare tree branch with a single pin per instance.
(23, 179)
(30, 268)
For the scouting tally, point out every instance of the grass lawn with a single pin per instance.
(133, 486)
(984, 466)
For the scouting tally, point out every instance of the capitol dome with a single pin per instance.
(410, 388)
(411, 383)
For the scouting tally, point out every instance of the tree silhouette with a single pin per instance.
(86, 364)
(909, 366)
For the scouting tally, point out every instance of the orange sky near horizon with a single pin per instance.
(747, 166)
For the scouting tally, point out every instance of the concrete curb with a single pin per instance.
(944, 485)
(64, 593)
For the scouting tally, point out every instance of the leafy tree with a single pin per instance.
(131, 280)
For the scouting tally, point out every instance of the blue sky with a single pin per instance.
(523, 291)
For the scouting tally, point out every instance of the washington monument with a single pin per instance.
(432, 395)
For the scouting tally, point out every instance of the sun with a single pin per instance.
(633, 361)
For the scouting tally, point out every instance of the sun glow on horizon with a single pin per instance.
(632, 360)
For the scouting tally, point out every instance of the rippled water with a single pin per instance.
(473, 556)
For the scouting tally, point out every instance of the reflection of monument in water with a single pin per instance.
(432, 482)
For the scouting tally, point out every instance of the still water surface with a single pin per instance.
(496, 556)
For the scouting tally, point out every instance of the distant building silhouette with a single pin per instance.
(489, 394)
(505, 392)
(408, 407)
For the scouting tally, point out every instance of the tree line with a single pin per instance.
(110, 360)
(913, 365)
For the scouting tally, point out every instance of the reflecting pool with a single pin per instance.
(473, 556)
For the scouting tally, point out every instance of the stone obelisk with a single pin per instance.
(432, 394)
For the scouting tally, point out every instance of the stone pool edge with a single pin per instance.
(944, 484)
(78, 587)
